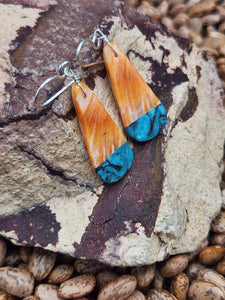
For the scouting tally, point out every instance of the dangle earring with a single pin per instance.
(109, 152)
(142, 113)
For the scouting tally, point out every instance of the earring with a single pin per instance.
(142, 113)
(109, 152)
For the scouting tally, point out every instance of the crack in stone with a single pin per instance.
(116, 201)
(69, 116)
(103, 223)
(29, 117)
(207, 143)
(53, 170)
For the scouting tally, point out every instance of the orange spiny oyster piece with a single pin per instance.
(134, 97)
(104, 141)
(141, 112)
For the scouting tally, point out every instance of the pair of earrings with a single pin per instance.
(142, 114)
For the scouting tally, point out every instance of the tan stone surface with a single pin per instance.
(12, 18)
(44, 160)
(191, 195)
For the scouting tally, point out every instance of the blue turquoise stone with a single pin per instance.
(116, 166)
(149, 125)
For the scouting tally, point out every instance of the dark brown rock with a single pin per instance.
(53, 198)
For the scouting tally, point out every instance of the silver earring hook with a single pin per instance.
(96, 43)
(63, 71)
(99, 35)
(96, 47)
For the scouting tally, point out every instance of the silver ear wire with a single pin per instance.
(64, 70)
(96, 47)
(99, 35)
(96, 43)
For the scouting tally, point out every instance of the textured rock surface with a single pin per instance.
(49, 195)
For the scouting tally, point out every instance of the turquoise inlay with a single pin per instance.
(149, 125)
(116, 166)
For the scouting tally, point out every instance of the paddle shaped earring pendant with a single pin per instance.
(109, 152)
(142, 113)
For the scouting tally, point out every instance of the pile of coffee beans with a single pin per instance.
(203, 22)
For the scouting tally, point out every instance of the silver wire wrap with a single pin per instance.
(96, 43)
(64, 70)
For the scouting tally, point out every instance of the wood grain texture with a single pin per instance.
(101, 135)
(133, 96)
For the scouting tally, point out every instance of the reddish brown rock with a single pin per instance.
(52, 198)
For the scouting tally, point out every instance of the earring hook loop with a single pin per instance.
(64, 70)
(95, 47)
(96, 43)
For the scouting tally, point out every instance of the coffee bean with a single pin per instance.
(3, 249)
(144, 275)
(17, 282)
(174, 265)
(60, 273)
(201, 7)
(179, 286)
(77, 286)
(155, 294)
(212, 275)
(104, 277)
(25, 253)
(41, 263)
(47, 291)
(220, 267)
(136, 295)
(205, 289)
(118, 289)
(211, 255)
